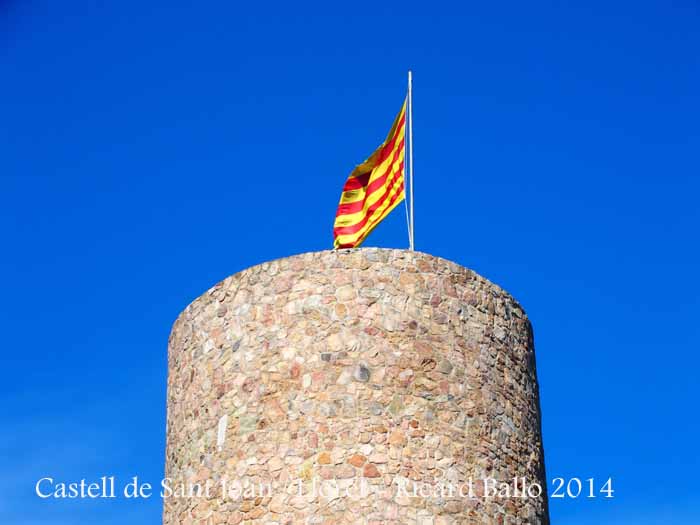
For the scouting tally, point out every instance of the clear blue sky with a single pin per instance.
(150, 149)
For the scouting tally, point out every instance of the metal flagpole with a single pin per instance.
(410, 149)
(405, 179)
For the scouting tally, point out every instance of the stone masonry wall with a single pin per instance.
(357, 371)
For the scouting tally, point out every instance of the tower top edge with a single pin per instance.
(356, 258)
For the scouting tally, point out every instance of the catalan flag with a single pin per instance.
(373, 189)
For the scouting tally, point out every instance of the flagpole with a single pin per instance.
(405, 177)
(410, 150)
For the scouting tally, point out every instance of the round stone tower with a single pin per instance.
(357, 386)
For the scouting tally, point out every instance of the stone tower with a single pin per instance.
(357, 386)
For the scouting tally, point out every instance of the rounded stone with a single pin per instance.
(426, 371)
(361, 373)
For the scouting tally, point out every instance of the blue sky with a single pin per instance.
(148, 150)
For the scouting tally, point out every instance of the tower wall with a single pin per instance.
(362, 371)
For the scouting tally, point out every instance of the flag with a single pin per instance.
(373, 189)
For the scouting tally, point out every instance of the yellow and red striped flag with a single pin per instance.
(373, 189)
